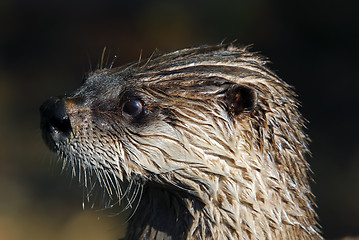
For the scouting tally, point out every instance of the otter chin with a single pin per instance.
(204, 143)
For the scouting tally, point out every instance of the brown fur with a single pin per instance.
(217, 151)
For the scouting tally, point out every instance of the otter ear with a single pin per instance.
(241, 99)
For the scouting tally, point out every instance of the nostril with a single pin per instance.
(60, 124)
(54, 118)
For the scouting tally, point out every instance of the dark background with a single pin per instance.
(47, 47)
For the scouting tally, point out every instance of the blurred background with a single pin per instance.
(46, 48)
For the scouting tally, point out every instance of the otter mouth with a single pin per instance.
(55, 123)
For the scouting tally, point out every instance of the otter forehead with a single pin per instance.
(98, 87)
(189, 71)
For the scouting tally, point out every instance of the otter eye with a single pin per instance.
(132, 107)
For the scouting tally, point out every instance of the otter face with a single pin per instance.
(169, 122)
(154, 129)
(211, 122)
(189, 120)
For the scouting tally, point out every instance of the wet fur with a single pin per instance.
(218, 153)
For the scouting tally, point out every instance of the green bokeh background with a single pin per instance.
(47, 47)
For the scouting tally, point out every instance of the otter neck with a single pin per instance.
(165, 214)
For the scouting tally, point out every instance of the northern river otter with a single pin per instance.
(211, 138)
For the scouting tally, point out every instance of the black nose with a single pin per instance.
(55, 123)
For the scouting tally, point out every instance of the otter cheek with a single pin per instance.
(162, 152)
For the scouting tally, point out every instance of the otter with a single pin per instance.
(211, 139)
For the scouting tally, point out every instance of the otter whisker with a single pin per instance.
(131, 199)
(112, 62)
(139, 58)
(149, 59)
(102, 58)
(117, 185)
(137, 204)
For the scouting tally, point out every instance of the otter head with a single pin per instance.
(211, 126)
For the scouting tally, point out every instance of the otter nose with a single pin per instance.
(55, 123)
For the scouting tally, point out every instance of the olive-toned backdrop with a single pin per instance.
(47, 47)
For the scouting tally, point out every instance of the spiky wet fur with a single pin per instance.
(199, 171)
